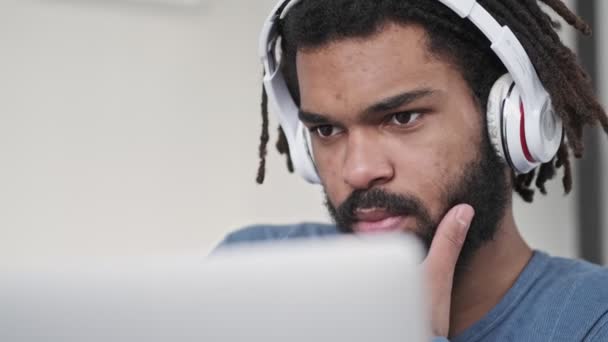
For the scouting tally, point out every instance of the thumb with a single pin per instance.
(440, 263)
(447, 243)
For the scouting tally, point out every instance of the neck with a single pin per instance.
(490, 274)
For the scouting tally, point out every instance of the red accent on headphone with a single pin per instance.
(522, 134)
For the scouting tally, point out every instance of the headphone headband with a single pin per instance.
(542, 129)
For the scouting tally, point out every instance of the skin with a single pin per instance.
(359, 143)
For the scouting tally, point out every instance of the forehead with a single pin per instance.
(361, 70)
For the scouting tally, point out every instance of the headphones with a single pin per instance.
(522, 125)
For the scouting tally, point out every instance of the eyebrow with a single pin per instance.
(383, 106)
(313, 118)
(397, 101)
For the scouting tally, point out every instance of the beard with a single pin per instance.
(483, 185)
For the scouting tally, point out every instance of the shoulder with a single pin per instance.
(554, 299)
(261, 233)
(583, 280)
(581, 295)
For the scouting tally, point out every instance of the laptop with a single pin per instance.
(334, 289)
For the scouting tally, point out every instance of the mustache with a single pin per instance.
(394, 204)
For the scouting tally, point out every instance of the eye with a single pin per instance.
(404, 118)
(325, 131)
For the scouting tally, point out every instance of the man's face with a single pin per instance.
(397, 136)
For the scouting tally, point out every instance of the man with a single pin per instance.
(403, 103)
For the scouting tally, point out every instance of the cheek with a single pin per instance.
(434, 165)
(329, 163)
(424, 174)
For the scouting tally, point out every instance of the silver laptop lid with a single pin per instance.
(342, 289)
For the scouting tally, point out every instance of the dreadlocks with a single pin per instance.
(313, 23)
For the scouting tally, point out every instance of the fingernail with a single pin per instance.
(464, 215)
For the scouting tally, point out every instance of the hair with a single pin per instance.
(315, 23)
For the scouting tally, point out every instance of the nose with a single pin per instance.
(366, 164)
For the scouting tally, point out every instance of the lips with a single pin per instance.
(378, 221)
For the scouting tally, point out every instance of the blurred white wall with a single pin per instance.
(133, 128)
(128, 128)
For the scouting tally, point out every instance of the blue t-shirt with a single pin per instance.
(553, 299)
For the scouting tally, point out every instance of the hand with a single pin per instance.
(441, 261)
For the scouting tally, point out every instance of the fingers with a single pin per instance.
(447, 244)
(441, 262)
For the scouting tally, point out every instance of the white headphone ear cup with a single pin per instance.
(302, 156)
(495, 114)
